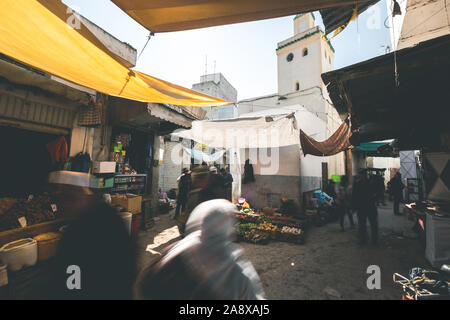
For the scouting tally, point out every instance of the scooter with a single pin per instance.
(425, 284)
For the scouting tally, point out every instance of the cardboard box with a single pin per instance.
(132, 203)
(103, 167)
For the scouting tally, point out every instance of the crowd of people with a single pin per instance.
(205, 263)
(201, 184)
(363, 197)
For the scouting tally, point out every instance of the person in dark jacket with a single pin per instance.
(207, 185)
(217, 183)
(228, 182)
(379, 180)
(248, 172)
(397, 191)
(96, 258)
(342, 203)
(363, 200)
(184, 187)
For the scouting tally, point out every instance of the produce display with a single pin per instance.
(245, 227)
(267, 226)
(247, 211)
(256, 236)
(264, 219)
(27, 211)
(291, 230)
(256, 227)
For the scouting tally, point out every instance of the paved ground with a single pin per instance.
(331, 264)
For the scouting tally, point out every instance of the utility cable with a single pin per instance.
(151, 34)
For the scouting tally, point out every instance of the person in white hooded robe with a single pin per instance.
(205, 264)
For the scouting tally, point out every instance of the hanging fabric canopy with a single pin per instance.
(201, 156)
(370, 146)
(47, 35)
(338, 142)
(177, 15)
(255, 132)
(336, 19)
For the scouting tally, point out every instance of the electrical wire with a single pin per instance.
(148, 40)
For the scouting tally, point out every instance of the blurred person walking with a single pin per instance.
(205, 265)
(184, 187)
(379, 180)
(206, 185)
(99, 245)
(363, 200)
(228, 182)
(342, 202)
(397, 191)
(217, 183)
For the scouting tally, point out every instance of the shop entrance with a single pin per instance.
(24, 161)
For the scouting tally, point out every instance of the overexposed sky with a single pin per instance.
(244, 53)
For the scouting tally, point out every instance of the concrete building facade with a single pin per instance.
(217, 85)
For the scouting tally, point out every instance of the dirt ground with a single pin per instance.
(329, 265)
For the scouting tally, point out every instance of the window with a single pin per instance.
(325, 54)
(305, 52)
(289, 57)
(297, 86)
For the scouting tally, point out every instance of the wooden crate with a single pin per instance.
(132, 203)
(289, 237)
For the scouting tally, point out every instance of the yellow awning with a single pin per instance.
(177, 15)
(40, 33)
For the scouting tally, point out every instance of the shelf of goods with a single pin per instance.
(134, 183)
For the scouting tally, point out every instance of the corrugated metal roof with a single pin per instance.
(414, 110)
(17, 108)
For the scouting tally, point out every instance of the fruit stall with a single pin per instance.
(261, 227)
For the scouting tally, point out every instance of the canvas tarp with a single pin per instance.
(201, 156)
(339, 141)
(177, 15)
(369, 146)
(47, 35)
(260, 132)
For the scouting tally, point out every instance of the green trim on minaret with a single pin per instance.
(307, 36)
(297, 40)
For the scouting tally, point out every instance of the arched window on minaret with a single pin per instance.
(297, 86)
(305, 52)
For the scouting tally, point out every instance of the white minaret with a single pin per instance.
(303, 57)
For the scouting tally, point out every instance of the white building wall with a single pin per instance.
(171, 167)
(387, 163)
(424, 20)
(302, 69)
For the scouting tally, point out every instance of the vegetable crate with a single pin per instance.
(290, 237)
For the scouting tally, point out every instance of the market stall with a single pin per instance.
(260, 227)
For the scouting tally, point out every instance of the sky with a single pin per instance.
(244, 53)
